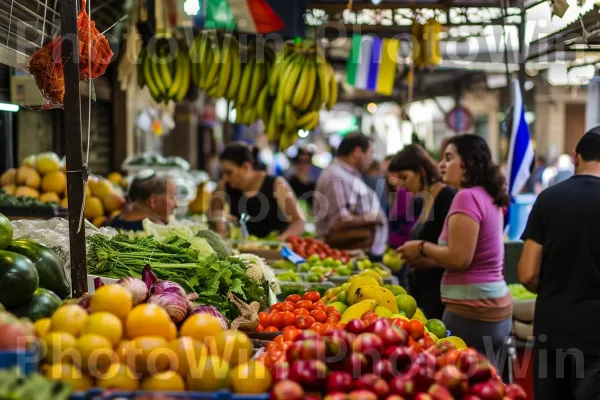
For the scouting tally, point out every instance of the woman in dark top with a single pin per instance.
(301, 181)
(150, 197)
(414, 170)
(269, 202)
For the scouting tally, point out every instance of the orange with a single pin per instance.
(188, 352)
(69, 318)
(415, 329)
(250, 378)
(104, 324)
(211, 374)
(146, 355)
(202, 327)
(234, 347)
(71, 375)
(95, 354)
(149, 320)
(164, 381)
(60, 347)
(118, 376)
(42, 327)
(115, 299)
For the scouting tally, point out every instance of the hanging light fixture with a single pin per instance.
(376, 2)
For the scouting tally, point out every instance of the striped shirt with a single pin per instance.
(479, 292)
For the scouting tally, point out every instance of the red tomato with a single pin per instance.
(313, 296)
(331, 309)
(278, 339)
(304, 321)
(426, 342)
(270, 346)
(271, 360)
(416, 347)
(340, 325)
(306, 304)
(319, 305)
(370, 319)
(293, 298)
(415, 329)
(301, 311)
(289, 328)
(277, 321)
(335, 314)
(332, 320)
(259, 328)
(289, 318)
(367, 314)
(319, 315)
(276, 307)
(287, 306)
(319, 327)
(264, 318)
(271, 329)
(291, 334)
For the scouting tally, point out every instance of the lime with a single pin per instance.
(341, 297)
(6, 232)
(396, 289)
(382, 311)
(304, 267)
(341, 307)
(406, 304)
(437, 327)
(314, 259)
(313, 278)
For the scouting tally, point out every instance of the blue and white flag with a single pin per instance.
(520, 151)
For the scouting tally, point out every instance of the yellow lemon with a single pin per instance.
(211, 374)
(164, 381)
(70, 375)
(118, 376)
(188, 353)
(250, 378)
(42, 327)
(202, 327)
(115, 299)
(234, 347)
(95, 354)
(68, 318)
(104, 324)
(149, 320)
(60, 347)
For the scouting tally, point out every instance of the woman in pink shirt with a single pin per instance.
(471, 247)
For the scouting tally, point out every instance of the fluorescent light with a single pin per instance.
(9, 107)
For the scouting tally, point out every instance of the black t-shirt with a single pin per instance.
(265, 214)
(302, 190)
(565, 220)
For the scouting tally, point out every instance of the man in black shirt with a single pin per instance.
(561, 262)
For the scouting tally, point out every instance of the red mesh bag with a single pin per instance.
(45, 65)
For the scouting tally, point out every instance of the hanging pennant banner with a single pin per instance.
(252, 16)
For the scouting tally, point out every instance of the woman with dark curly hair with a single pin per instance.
(471, 248)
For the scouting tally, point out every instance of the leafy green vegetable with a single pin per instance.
(7, 200)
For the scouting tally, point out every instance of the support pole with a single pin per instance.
(522, 49)
(72, 133)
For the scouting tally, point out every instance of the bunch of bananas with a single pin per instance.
(426, 45)
(166, 75)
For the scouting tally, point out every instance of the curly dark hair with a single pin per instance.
(479, 168)
(414, 158)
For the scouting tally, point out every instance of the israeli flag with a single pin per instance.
(520, 151)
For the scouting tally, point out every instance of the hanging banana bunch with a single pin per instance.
(426, 46)
(166, 75)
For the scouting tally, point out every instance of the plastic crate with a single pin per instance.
(97, 394)
(26, 361)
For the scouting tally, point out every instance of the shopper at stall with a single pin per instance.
(478, 303)
(414, 170)
(300, 179)
(561, 263)
(345, 209)
(268, 201)
(151, 197)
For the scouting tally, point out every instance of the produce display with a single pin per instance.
(308, 247)
(8, 200)
(166, 75)
(155, 160)
(392, 260)
(14, 386)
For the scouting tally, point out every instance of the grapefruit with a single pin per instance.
(93, 208)
(114, 299)
(46, 163)
(118, 376)
(28, 176)
(54, 182)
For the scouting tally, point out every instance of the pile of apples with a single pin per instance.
(374, 362)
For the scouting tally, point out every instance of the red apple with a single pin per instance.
(357, 326)
(482, 372)
(490, 390)
(362, 395)
(307, 334)
(445, 346)
(426, 359)
(338, 333)
(311, 374)
(423, 396)
(515, 392)
(280, 371)
(422, 376)
(467, 360)
(287, 390)
(403, 386)
(471, 397)
(339, 381)
(401, 357)
(438, 392)
(394, 397)
(379, 326)
(337, 347)
(12, 336)
(313, 396)
(306, 350)
(453, 379)
(393, 336)
(370, 345)
(336, 396)
(355, 364)
(372, 383)
(385, 369)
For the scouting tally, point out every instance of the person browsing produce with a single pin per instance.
(151, 197)
(269, 201)
(414, 170)
(561, 263)
(478, 302)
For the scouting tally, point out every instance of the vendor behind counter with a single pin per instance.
(151, 197)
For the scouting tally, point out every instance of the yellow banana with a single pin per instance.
(316, 102)
(258, 81)
(333, 90)
(356, 311)
(356, 283)
(261, 104)
(236, 71)
(149, 79)
(186, 76)
(224, 73)
(156, 76)
(310, 89)
(217, 63)
(290, 118)
(177, 76)
(302, 86)
(245, 82)
(383, 296)
(278, 65)
(324, 76)
(279, 108)
(306, 120)
(290, 79)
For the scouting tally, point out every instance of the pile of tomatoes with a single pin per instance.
(300, 312)
(309, 247)
(418, 339)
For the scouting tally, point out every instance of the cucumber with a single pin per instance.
(42, 304)
(18, 279)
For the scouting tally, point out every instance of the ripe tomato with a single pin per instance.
(319, 315)
(289, 318)
(453, 356)
(288, 328)
(291, 334)
(264, 318)
(278, 339)
(270, 360)
(270, 346)
(287, 306)
(271, 329)
(306, 304)
(370, 318)
(426, 341)
(259, 328)
(335, 314)
(416, 347)
(319, 305)
(294, 298)
(277, 321)
(304, 321)
(367, 314)
(275, 307)
(332, 320)
(301, 311)
(415, 329)
(313, 296)
(319, 327)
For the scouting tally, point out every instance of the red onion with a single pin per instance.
(84, 302)
(212, 310)
(167, 287)
(137, 287)
(98, 283)
(149, 277)
(175, 305)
